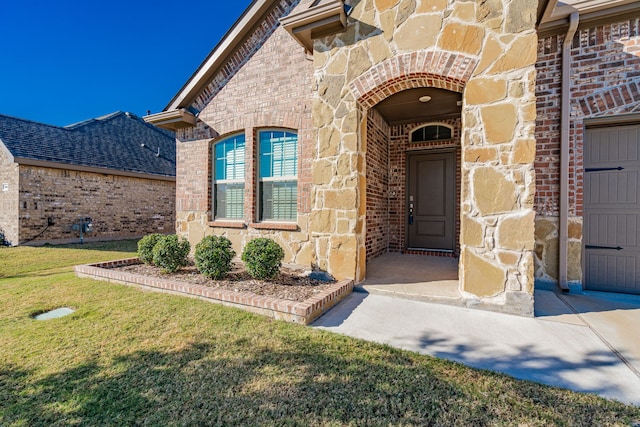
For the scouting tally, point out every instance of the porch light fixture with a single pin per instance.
(425, 98)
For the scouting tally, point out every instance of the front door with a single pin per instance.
(431, 200)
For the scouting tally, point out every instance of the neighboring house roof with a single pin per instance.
(118, 141)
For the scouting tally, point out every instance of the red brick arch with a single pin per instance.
(443, 70)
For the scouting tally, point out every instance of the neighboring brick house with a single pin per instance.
(116, 170)
(345, 130)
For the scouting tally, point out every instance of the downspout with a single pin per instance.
(565, 116)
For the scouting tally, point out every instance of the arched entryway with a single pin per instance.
(413, 141)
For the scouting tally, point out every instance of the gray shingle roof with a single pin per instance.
(120, 141)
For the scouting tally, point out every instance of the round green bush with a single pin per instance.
(262, 258)
(145, 247)
(170, 253)
(213, 256)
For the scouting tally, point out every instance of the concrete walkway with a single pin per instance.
(585, 342)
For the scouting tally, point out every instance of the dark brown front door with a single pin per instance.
(430, 202)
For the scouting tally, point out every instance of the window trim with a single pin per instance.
(220, 219)
(274, 223)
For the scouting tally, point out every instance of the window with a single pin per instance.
(228, 178)
(278, 175)
(431, 132)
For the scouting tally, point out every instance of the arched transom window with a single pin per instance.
(432, 132)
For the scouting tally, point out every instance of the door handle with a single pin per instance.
(411, 213)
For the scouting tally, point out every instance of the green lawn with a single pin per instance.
(129, 357)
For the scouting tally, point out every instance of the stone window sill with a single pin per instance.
(285, 226)
(227, 224)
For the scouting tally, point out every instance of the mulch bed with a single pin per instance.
(289, 285)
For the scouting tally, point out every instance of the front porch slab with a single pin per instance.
(291, 311)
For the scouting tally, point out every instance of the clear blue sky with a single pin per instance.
(64, 61)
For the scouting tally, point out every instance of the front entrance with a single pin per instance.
(612, 209)
(431, 200)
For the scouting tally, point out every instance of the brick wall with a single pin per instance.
(8, 198)
(120, 206)
(605, 81)
(377, 237)
(270, 85)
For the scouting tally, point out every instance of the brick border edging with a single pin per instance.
(292, 311)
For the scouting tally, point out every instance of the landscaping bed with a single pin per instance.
(291, 296)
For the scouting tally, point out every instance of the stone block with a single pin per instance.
(430, 6)
(418, 32)
(544, 227)
(484, 91)
(383, 5)
(344, 199)
(322, 172)
(459, 37)
(480, 155)
(472, 232)
(493, 193)
(575, 229)
(499, 122)
(521, 53)
(516, 232)
(481, 277)
(520, 16)
(524, 151)
(342, 257)
(574, 261)
(323, 221)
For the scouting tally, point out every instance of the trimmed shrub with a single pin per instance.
(145, 247)
(213, 256)
(262, 258)
(170, 253)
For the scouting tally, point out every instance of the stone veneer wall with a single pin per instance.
(605, 81)
(485, 50)
(9, 175)
(267, 83)
(121, 207)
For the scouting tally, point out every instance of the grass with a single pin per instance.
(128, 357)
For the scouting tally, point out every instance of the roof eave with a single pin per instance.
(172, 119)
(324, 19)
(25, 161)
(557, 20)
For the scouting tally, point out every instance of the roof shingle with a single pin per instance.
(119, 141)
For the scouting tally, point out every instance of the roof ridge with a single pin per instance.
(74, 126)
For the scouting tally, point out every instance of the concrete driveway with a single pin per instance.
(587, 342)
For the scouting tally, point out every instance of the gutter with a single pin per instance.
(565, 116)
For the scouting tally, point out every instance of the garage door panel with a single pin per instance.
(612, 145)
(612, 209)
(607, 272)
(606, 229)
(618, 187)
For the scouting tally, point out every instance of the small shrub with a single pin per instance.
(145, 247)
(170, 253)
(262, 258)
(213, 256)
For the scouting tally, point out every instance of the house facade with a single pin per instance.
(345, 130)
(115, 172)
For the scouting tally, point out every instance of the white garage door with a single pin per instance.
(612, 209)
